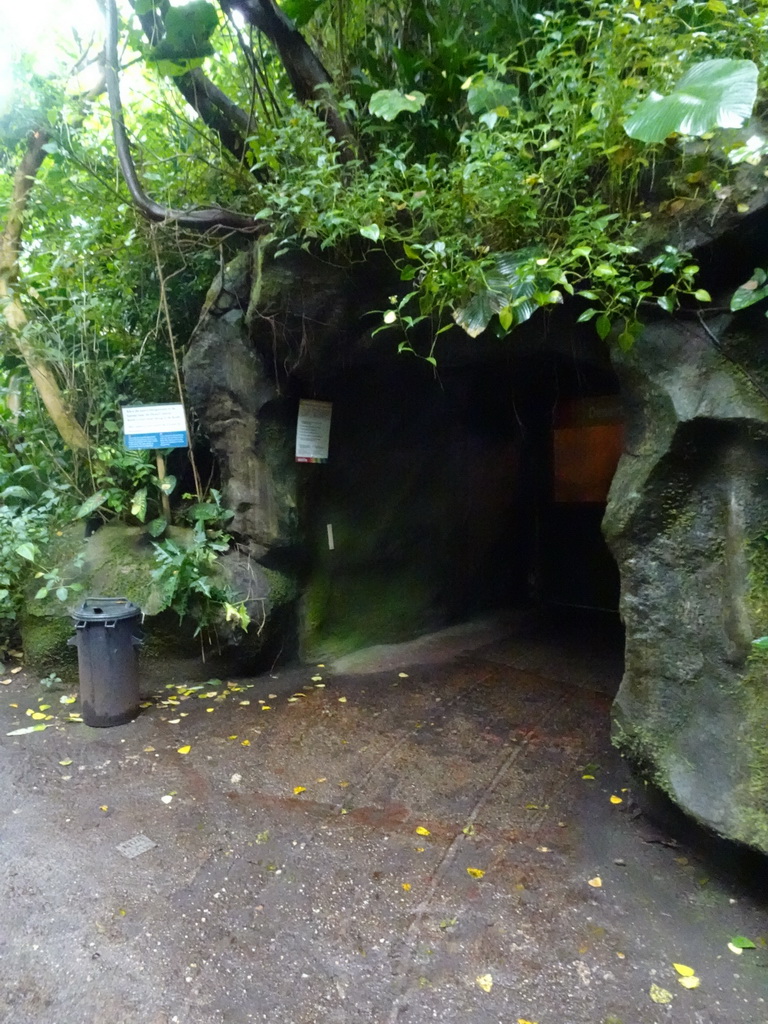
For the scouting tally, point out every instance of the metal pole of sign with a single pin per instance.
(166, 501)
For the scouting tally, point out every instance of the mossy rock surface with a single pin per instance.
(686, 522)
(118, 561)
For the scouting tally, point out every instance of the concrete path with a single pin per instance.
(409, 837)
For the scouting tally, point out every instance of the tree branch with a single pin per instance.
(212, 219)
(309, 79)
(216, 110)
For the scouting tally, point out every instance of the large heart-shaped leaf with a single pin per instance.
(486, 93)
(388, 103)
(509, 287)
(712, 94)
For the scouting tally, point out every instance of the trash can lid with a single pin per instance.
(99, 609)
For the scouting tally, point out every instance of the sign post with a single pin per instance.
(155, 427)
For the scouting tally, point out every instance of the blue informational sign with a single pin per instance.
(154, 426)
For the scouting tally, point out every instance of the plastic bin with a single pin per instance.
(106, 638)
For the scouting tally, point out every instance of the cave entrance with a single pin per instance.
(456, 494)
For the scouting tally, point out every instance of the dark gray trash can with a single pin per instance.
(106, 639)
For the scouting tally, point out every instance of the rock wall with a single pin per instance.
(687, 522)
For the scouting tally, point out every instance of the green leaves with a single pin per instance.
(485, 93)
(388, 103)
(139, 504)
(712, 94)
(751, 291)
(300, 11)
(186, 43)
(510, 290)
(28, 552)
(91, 504)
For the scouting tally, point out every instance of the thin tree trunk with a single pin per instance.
(41, 372)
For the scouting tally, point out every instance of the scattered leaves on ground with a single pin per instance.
(685, 972)
(692, 982)
(660, 995)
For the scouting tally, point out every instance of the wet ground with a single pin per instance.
(432, 832)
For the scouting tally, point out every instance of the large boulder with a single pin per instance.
(121, 561)
(687, 522)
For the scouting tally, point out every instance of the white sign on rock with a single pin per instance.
(313, 431)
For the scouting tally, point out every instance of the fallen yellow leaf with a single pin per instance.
(37, 716)
(317, 679)
(232, 737)
(660, 995)
(299, 789)
(735, 949)
(686, 972)
(402, 675)
(65, 762)
(475, 872)
(210, 709)
(184, 750)
(244, 703)
(323, 779)
(521, 1021)
(407, 886)
(15, 670)
(420, 849)
(321, 664)
(596, 882)
(692, 982)
(5, 682)
(104, 807)
(266, 707)
(616, 800)
(588, 777)
(245, 743)
(421, 831)
(485, 982)
(342, 700)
